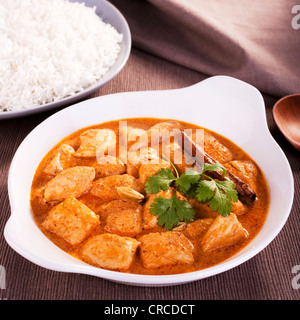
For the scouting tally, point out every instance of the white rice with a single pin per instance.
(51, 49)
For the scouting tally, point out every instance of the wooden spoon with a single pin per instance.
(286, 114)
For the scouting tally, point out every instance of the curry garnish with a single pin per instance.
(171, 211)
(193, 185)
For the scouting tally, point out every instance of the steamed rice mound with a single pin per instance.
(51, 49)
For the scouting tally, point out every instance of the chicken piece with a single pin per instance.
(239, 208)
(164, 129)
(143, 155)
(96, 143)
(149, 220)
(224, 231)
(122, 217)
(139, 157)
(148, 170)
(105, 189)
(166, 248)
(166, 125)
(108, 166)
(216, 149)
(196, 229)
(135, 133)
(157, 133)
(213, 147)
(245, 170)
(203, 210)
(129, 135)
(71, 182)
(172, 151)
(182, 161)
(188, 163)
(110, 251)
(60, 161)
(71, 220)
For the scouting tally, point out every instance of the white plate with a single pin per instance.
(223, 104)
(109, 14)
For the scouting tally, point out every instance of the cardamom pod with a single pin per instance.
(129, 193)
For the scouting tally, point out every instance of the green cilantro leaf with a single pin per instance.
(220, 203)
(171, 211)
(229, 188)
(218, 194)
(161, 181)
(187, 180)
(194, 185)
(205, 190)
(214, 167)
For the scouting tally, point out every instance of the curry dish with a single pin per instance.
(90, 196)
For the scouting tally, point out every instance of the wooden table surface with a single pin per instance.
(268, 275)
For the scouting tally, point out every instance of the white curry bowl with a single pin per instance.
(225, 105)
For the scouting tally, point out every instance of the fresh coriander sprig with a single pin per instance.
(174, 168)
(171, 211)
(161, 181)
(198, 185)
